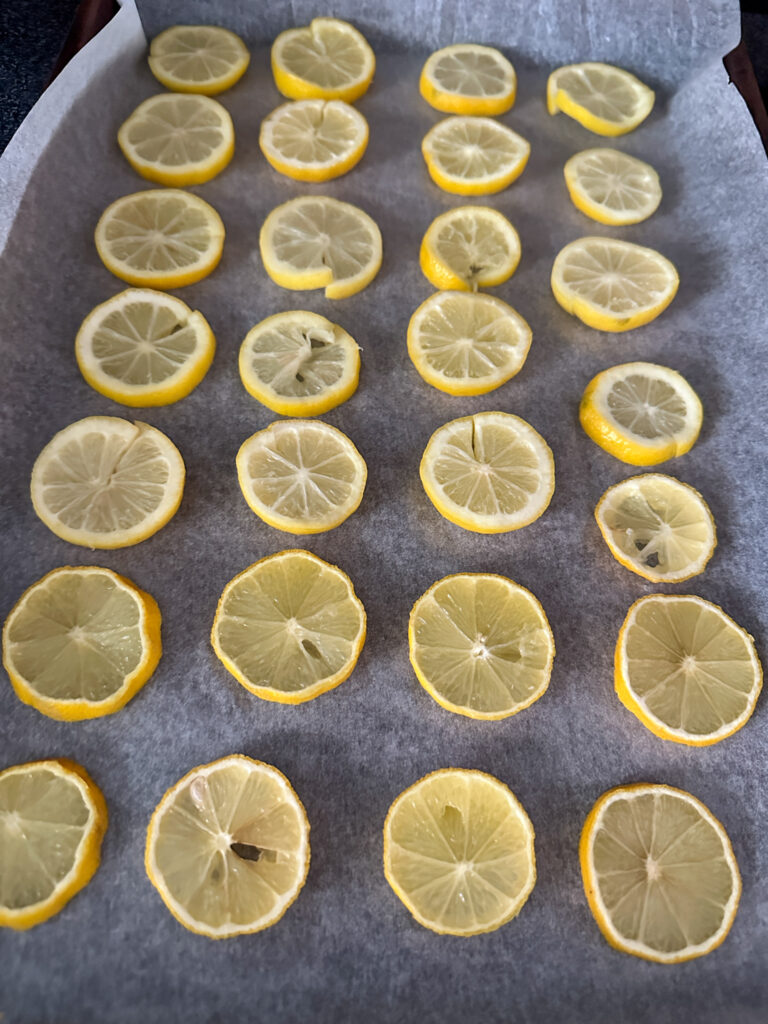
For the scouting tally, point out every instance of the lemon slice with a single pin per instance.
(198, 58)
(611, 187)
(81, 642)
(659, 873)
(104, 482)
(228, 847)
(658, 527)
(603, 98)
(467, 343)
(469, 247)
(490, 473)
(52, 820)
(301, 476)
(458, 851)
(468, 79)
(613, 285)
(290, 627)
(160, 238)
(641, 413)
(314, 140)
(178, 140)
(686, 669)
(474, 156)
(143, 348)
(299, 364)
(319, 242)
(325, 60)
(480, 645)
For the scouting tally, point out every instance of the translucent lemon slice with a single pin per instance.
(611, 187)
(198, 58)
(314, 140)
(468, 79)
(474, 156)
(469, 247)
(327, 60)
(603, 98)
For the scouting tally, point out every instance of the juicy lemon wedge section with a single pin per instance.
(198, 58)
(228, 847)
(299, 363)
(458, 852)
(319, 242)
(469, 247)
(658, 527)
(468, 79)
(81, 642)
(612, 187)
(686, 669)
(474, 156)
(605, 99)
(301, 476)
(52, 821)
(489, 473)
(326, 60)
(480, 645)
(314, 140)
(289, 627)
(104, 482)
(659, 873)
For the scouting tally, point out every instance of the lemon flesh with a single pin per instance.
(605, 99)
(612, 187)
(474, 155)
(314, 140)
(468, 79)
(198, 58)
(469, 247)
(327, 59)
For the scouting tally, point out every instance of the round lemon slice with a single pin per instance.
(301, 476)
(603, 98)
(228, 847)
(613, 285)
(611, 187)
(198, 58)
(319, 242)
(659, 873)
(474, 156)
(686, 669)
(480, 645)
(658, 527)
(466, 343)
(160, 238)
(314, 140)
(52, 820)
(468, 79)
(104, 482)
(81, 642)
(458, 851)
(290, 627)
(469, 247)
(490, 473)
(144, 348)
(641, 413)
(299, 364)
(325, 60)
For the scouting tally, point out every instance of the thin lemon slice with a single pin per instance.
(474, 156)
(178, 140)
(611, 187)
(81, 642)
(228, 847)
(301, 476)
(325, 60)
(469, 247)
(490, 473)
(468, 79)
(480, 645)
(198, 58)
(319, 242)
(466, 343)
(160, 238)
(144, 348)
(458, 851)
(314, 140)
(658, 527)
(659, 873)
(105, 482)
(299, 364)
(603, 98)
(613, 285)
(641, 413)
(52, 820)
(686, 669)
(289, 627)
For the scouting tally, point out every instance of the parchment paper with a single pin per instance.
(348, 950)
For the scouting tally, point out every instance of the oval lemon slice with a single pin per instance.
(474, 156)
(198, 58)
(469, 247)
(314, 140)
(327, 60)
(468, 79)
(605, 99)
(612, 187)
